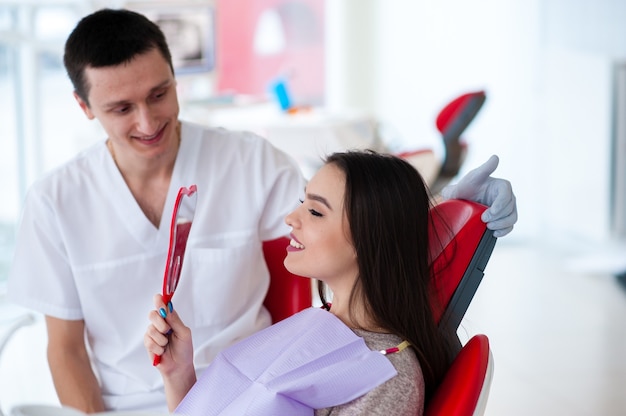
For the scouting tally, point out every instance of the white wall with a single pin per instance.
(576, 151)
(546, 68)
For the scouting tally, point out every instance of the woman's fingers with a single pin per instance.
(156, 336)
(168, 333)
(159, 323)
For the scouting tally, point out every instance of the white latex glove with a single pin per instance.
(496, 193)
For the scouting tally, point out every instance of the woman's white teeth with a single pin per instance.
(294, 243)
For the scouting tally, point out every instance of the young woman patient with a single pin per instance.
(362, 231)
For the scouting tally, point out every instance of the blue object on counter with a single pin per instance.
(279, 88)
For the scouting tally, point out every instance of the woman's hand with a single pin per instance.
(168, 337)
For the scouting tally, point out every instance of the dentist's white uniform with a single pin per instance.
(85, 250)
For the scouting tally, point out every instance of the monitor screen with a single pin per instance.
(189, 30)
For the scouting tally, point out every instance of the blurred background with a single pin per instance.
(377, 73)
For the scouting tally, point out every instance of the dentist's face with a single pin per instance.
(136, 104)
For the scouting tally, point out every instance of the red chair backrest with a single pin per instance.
(460, 246)
(454, 118)
(465, 388)
(288, 293)
(452, 121)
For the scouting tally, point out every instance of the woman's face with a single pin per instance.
(321, 246)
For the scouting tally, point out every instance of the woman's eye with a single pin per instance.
(311, 210)
(315, 213)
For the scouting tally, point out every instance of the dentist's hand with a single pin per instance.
(496, 193)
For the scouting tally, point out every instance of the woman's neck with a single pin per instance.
(354, 315)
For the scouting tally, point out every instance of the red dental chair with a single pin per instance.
(451, 122)
(460, 248)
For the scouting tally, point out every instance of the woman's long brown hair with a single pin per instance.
(387, 205)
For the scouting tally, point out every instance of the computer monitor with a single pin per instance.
(189, 30)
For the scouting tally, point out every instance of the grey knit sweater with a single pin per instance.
(399, 396)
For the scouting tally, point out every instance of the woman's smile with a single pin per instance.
(294, 244)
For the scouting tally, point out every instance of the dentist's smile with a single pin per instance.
(153, 138)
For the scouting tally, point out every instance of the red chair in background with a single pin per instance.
(451, 122)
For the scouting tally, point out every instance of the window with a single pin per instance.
(42, 125)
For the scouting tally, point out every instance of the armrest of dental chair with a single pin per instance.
(465, 388)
